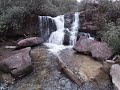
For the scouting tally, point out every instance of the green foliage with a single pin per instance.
(12, 18)
(108, 22)
(65, 6)
(111, 35)
(13, 12)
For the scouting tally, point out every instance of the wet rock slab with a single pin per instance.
(19, 63)
(87, 69)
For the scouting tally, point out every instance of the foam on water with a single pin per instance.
(57, 36)
(55, 49)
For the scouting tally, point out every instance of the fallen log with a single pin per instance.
(76, 79)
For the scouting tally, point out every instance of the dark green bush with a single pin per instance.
(65, 6)
(111, 35)
(12, 18)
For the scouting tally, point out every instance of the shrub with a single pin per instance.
(12, 18)
(111, 35)
(65, 6)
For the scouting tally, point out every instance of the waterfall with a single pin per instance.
(58, 36)
(62, 35)
(46, 26)
(74, 31)
(56, 39)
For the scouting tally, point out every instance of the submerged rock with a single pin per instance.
(6, 79)
(19, 63)
(89, 70)
(115, 73)
(29, 42)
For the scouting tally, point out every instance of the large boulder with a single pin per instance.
(29, 42)
(83, 45)
(88, 45)
(100, 50)
(115, 73)
(17, 64)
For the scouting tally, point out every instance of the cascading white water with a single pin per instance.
(74, 31)
(46, 26)
(57, 37)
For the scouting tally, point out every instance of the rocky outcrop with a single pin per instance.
(69, 18)
(32, 41)
(83, 44)
(66, 40)
(89, 21)
(19, 63)
(101, 51)
(115, 73)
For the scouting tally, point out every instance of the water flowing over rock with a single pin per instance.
(17, 64)
(61, 30)
(74, 29)
(115, 73)
(69, 19)
(89, 70)
(57, 37)
(46, 26)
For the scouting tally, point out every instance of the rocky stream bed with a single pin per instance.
(48, 75)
